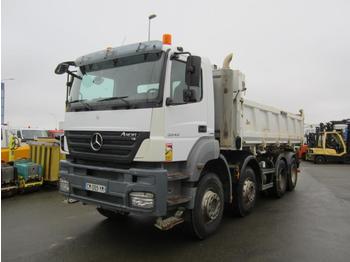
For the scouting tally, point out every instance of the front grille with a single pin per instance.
(117, 147)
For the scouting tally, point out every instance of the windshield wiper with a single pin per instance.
(122, 98)
(87, 105)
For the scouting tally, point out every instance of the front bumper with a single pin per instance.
(119, 184)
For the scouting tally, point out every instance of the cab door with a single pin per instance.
(185, 122)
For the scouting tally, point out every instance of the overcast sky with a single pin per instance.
(295, 54)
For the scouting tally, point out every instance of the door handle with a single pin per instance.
(202, 129)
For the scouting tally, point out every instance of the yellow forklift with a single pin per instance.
(332, 144)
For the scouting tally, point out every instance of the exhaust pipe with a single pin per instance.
(227, 61)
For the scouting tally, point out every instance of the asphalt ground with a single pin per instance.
(310, 224)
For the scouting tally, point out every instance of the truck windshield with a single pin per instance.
(123, 83)
(32, 134)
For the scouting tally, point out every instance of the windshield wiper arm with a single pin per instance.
(87, 105)
(116, 98)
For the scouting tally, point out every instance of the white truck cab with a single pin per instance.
(146, 131)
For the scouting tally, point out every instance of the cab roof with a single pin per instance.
(118, 52)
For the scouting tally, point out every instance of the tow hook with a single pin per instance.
(170, 222)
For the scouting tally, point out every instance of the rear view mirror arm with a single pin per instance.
(176, 54)
(74, 75)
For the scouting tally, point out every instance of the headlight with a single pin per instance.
(142, 199)
(64, 145)
(64, 185)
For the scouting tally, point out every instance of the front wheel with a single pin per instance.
(207, 213)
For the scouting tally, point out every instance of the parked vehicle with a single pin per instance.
(28, 134)
(17, 171)
(9, 181)
(154, 130)
(332, 143)
(302, 151)
(11, 146)
(29, 174)
(55, 134)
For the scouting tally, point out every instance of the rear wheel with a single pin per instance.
(320, 160)
(280, 179)
(293, 175)
(245, 193)
(112, 214)
(207, 213)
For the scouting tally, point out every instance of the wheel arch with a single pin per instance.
(288, 157)
(205, 150)
(243, 159)
(220, 167)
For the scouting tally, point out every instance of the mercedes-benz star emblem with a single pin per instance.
(96, 141)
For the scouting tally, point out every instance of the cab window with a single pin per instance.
(333, 141)
(178, 83)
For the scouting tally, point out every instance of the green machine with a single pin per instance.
(30, 174)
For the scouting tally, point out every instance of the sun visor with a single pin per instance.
(118, 52)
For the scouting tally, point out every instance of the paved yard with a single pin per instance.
(310, 224)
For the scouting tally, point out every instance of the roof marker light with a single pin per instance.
(167, 39)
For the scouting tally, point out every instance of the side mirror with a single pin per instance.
(168, 101)
(63, 67)
(193, 70)
(189, 95)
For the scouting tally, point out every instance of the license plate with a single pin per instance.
(95, 187)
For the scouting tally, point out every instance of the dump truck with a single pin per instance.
(152, 129)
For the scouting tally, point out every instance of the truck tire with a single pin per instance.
(293, 175)
(320, 160)
(112, 214)
(245, 193)
(207, 213)
(280, 179)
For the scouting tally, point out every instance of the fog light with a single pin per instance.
(64, 185)
(142, 199)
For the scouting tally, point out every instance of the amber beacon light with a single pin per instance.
(167, 39)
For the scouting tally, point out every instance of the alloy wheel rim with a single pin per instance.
(249, 191)
(211, 205)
